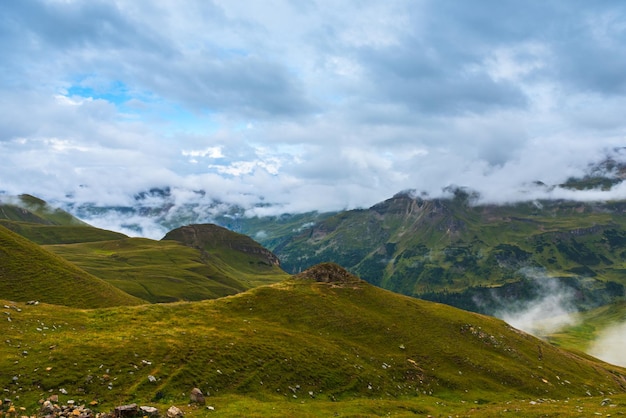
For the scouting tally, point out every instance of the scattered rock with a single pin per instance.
(606, 402)
(150, 411)
(125, 411)
(174, 412)
(196, 396)
(151, 378)
(47, 408)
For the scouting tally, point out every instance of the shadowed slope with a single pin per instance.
(28, 271)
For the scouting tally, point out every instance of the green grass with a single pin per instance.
(60, 234)
(157, 271)
(27, 271)
(296, 347)
(27, 208)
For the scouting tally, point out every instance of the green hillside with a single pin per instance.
(27, 208)
(29, 272)
(41, 223)
(453, 250)
(234, 254)
(321, 343)
(60, 234)
(217, 263)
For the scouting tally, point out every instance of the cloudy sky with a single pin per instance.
(306, 104)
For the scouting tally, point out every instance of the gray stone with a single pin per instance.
(124, 411)
(174, 412)
(150, 411)
(196, 396)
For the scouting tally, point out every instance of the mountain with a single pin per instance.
(478, 257)
(29, 272)
(321, 343)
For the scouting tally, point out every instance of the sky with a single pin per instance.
(305, 104)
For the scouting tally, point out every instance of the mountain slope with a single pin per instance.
(28, 271)
(41, 223)
(452, 249)
(191, 263)
(27, 208)
(234, 254)
(60, 234)
(323, 335)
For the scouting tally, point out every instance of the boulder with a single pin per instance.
(196, 396)
(125, 411)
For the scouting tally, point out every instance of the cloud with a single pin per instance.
(551, 310)
(307, 105)
(609, 346)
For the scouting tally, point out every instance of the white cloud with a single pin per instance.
(552, 310)
(309, 105)
(210, 152)
(609, 346)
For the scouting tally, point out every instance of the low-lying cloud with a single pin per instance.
(609, 345)
(551, 310)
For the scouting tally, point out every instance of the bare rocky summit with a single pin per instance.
(329, 273)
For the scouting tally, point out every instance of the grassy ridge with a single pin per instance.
(156, 271)
(60, 234)
(168, 271)
(28, 271)
(27, 208)
(296, 341)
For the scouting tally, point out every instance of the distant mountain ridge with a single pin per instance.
(169, 207)
(453, 251)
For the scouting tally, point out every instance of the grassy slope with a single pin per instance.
(236, 255)
(167, 270)
(34, 219)
(28, 271)
(293, 346)
(60, 234)
(27, 208)
(156, 271)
